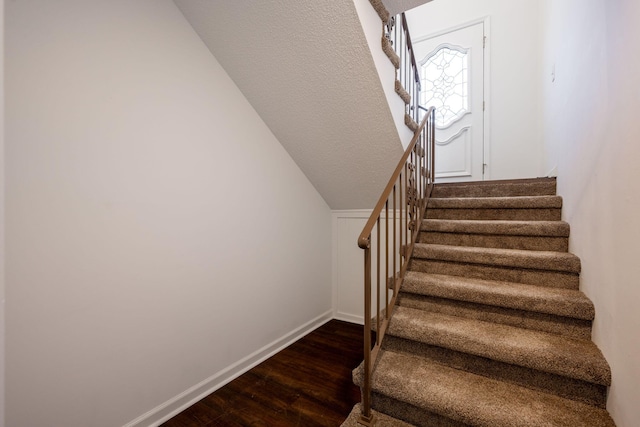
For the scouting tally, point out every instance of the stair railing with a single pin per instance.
(397, 31)
(391, 233)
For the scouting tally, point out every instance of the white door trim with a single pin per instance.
(486, 117)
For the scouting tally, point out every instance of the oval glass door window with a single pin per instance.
(444, 75)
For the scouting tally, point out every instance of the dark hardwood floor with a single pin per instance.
(307, 384)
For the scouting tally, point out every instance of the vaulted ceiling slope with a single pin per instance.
(306, 68)
(398, 6)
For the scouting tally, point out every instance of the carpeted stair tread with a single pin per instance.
(381, 10)
(538, 235)
(508, 228)
(381, 420)
(514, 258)
(540, 299)
(555, 354)
(410, 122)
(520, 202)
(387, 48)
(476, 400)
(528, 187)
(402, 92)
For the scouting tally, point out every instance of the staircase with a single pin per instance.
(490, 328)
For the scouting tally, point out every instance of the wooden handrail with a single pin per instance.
(407, 192)
(364, 239)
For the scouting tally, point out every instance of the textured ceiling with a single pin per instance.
(307, 70)
(398, 6)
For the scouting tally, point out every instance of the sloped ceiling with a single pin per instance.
(307, 70)
(398, 6)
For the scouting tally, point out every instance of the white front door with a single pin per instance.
(452, 79)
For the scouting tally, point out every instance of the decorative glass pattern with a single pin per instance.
(444, 76)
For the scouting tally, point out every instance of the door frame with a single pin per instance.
(486, 83)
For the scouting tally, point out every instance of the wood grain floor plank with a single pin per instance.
(308, 384)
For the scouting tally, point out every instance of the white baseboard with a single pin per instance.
(174, 406)
(351, 318)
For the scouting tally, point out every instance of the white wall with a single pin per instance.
(159, 238)
(513, 93)
(2, 275)
(372, 27)
(348, 262)
(592, 133)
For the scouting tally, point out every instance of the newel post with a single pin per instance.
(366, 417)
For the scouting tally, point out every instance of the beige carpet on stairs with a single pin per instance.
(490, 327)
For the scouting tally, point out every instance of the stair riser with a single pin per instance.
(569, 388)
(504, 190)
(516, 296)
(544, 214)
(573, 328)
(530, 260)
(411, 414)
(554, 279)
(532, 243)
